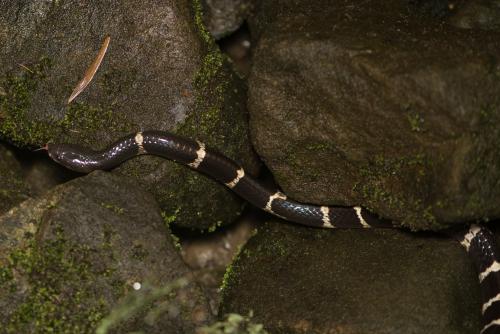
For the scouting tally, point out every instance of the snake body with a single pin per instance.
(478, 241)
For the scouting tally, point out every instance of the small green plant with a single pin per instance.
(139, 301)
(234, 324)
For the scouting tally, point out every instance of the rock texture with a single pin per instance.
(378, 104)
(69, 257)
(13, 188)
(299, 280)
(41, 173)
(223, 17)
(478, 14)
(161, 71)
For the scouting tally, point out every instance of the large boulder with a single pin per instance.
(70, 256)
(379, 104)
(162, 70)
(298, 280)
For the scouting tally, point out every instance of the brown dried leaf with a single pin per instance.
(90, 72)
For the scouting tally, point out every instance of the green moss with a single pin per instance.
(234, 324)
(20, 128)
(214, 227)
(211, 65)
(211, 84)
(48, 268)
(218, 122)
(209, 123)
(321, 147)
(200, 25)
(416, 121)
(15, 102)
(228, 277)
(139, 253)
(482, 163)
(12, 188)
(168, 220)
(277, 247)
(6, 276)
(213, 104)
(116, 209)
(218, 119)
(383, 174)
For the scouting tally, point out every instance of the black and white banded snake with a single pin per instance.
(477, 240)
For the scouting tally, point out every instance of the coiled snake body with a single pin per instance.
(478, 241)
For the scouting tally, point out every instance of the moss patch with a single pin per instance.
(15, 101)
(220, 121)
(61, 297)
(16, 125)
(235, 323)
(416, 121)
(482, 164)
(198, 20)
(379, 179)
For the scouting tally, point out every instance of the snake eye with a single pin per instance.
(53, 152)
(58, 153)
(73, 157)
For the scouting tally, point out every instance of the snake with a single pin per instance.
(478, 240)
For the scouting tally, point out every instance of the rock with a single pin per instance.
(13, 189)
(300, 280)
(223, 17)
(68, 258)
(478, 14)
(434, 8)
(376, 104)
(42, 174)
(162, 70)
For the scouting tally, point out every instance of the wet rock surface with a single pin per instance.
(161, 71)
(298, 280)
(13, 188)
(69, 257)
(379, 105)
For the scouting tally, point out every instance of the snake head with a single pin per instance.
(73, 157)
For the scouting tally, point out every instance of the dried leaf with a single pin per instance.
(90, 72)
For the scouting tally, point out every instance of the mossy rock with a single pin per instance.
(302, 280)
(386, 105)
(162, 71)
(68, 258)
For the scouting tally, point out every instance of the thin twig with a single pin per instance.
(90, 72)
